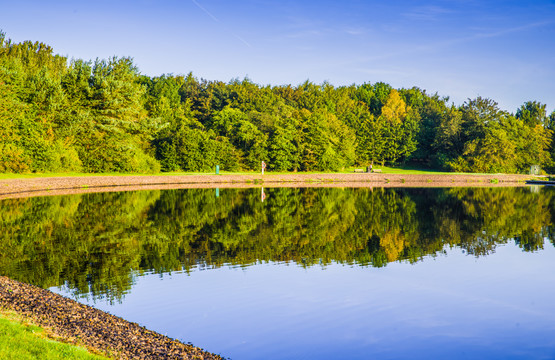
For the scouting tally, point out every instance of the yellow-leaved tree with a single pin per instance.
(400, 128)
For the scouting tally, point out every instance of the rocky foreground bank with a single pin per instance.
(86, 326)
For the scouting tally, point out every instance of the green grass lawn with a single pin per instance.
(402, 170)
(72, 174)
(384, 170)
(20, 341)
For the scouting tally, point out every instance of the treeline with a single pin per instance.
(104, 116)
(97, 243)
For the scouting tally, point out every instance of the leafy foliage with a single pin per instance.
(104, 116)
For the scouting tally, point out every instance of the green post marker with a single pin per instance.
(217, 192)
(217, 169)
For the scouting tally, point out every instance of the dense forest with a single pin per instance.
(97, 243)
(58, 115)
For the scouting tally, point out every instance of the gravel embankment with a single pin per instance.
(84, 325)
(13, 188)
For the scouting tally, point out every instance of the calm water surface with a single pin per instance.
(308, 273)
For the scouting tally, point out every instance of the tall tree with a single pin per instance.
(532, 113)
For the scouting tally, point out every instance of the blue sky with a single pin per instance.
(503, 50)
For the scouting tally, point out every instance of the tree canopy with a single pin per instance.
(58, 115)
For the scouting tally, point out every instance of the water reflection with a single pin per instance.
(95, 244)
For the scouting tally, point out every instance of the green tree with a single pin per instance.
(532, 113)
(111, 137)
(448, 143)
(400, 128)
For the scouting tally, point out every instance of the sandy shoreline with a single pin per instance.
(16, 188)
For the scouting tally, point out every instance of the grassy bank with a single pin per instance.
(21, 340)
(383, 169)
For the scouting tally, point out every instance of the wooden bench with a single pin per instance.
(360, 170)
(377, 170)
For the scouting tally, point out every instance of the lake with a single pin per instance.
(304, 273)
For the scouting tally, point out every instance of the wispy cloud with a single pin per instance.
(439, 45)
(427, 13)
(381, 71)
(483, 34)
(501, 32)
(356, 31)
(304, 34)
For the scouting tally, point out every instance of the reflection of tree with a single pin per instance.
(96, 243)
(87, 242)
(491, 216)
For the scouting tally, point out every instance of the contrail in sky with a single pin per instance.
(218, 21)
(206, 11)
